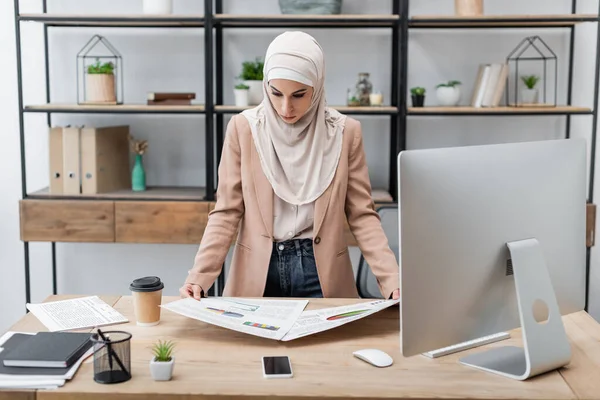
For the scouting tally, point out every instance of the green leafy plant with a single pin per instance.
(163, 350)
(107, 68)
(417, 91)
(252, 70)
(530, 80)
(242, 86)
(449, 84)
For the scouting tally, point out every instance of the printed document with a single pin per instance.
(315, 321)
(270, 319)
(80, 313)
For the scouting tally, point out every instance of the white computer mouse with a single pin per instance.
(374, 357)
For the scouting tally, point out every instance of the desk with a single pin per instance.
(212, 362)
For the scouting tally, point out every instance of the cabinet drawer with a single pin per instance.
(67, 221)
(160, 221)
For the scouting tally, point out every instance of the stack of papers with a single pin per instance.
(79, 313)
(32, 378)
(283, 320)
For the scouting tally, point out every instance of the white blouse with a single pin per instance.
(291, 221)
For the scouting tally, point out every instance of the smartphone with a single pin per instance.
(277, 367)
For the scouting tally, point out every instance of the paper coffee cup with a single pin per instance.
(147, 297)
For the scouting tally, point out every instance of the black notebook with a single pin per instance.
(48, 350)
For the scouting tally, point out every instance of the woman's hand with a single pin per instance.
(396, 294)
(191, 290)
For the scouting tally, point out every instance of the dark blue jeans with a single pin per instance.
(293, 270)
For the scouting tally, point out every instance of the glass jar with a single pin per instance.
(352, 98)
(364, 87)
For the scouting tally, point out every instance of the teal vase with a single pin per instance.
(138, 175)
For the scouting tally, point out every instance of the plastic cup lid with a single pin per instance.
(146, 284)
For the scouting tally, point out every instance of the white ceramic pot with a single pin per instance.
(529, 96)
(241, 97)
(255, 94)
(100, 88)
(448, 96)
(162, 371)
(158, 6)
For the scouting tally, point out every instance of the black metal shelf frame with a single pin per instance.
(214, 21)
(50, 21)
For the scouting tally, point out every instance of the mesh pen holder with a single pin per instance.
(112, 356)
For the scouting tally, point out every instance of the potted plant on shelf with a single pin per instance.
(138, 175)
(417, 95)
(241, 94)
(448, 93)
(252, 76)
(100, 82)
(529, 94)
(161, 365)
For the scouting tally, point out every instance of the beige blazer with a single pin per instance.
(245, 205)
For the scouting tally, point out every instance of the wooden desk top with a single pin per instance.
(216, 362)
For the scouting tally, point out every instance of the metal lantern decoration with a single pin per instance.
(534, 70)
(99, 73)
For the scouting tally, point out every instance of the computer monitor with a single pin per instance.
(469, 217)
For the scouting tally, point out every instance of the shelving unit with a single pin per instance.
(178, 215)
(569, 21)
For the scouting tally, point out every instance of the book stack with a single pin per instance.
(489, 85)
(41, 361)
(89, 160)
(170, 99)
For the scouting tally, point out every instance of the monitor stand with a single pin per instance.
(545, 343)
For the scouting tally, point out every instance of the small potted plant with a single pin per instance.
(241, 94)
(417, 95)
(100, 83)
(252, 76)
(161, 365)
(529, 94)
(138, 175)
(448, 93)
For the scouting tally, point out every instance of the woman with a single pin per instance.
(292, 171)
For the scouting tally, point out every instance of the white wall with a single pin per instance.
(172, 60)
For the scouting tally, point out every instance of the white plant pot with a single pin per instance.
(100, 88)
(158, 6)
(241, 97)
(529, 96)
(255, 94)
(162, 371)
(448, 96)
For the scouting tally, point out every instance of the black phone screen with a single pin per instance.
(277, 365)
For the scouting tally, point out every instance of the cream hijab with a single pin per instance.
(300, 159)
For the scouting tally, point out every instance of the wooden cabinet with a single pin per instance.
(160, 222)
(114, 221)
(67, 221)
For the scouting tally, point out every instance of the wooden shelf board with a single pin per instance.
(151, 193)
(162, 193)
(365, 20)
(561, 110)
(449, 21)
(124, 108)
(386, 110)
(116, 20)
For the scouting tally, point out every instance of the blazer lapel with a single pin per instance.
(264, 192)
(321, 205)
